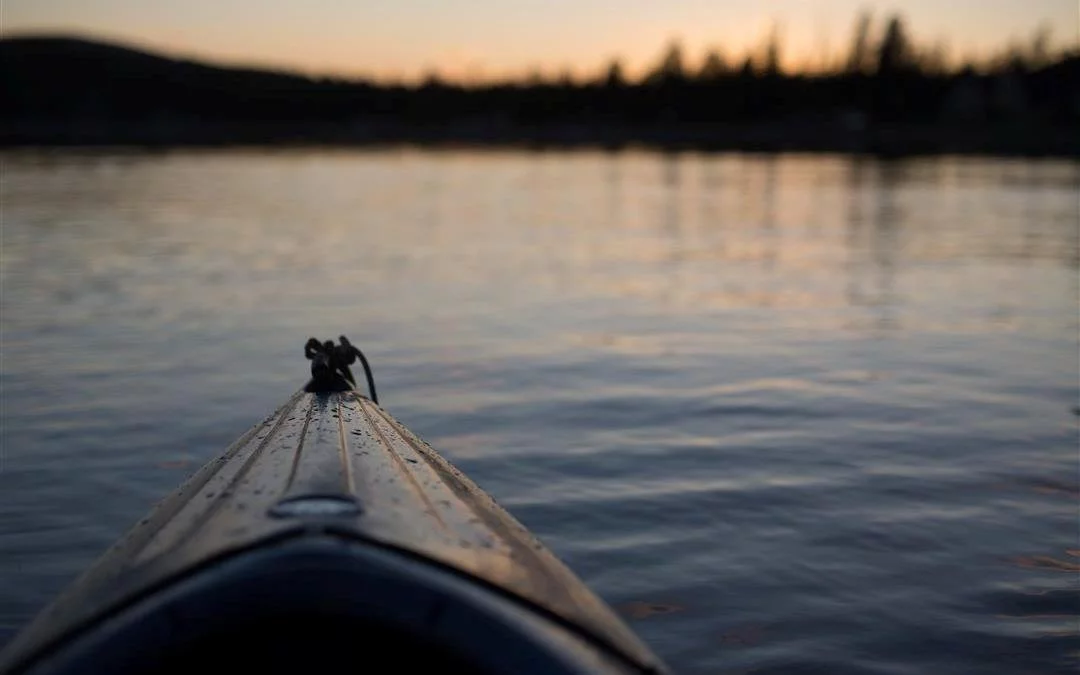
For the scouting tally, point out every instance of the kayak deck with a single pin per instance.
(337, 467)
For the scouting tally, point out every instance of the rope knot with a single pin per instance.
(330, 366)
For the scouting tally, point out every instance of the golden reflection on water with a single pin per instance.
(704, 233)
(690, 232)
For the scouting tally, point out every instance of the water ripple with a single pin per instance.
(788, 414)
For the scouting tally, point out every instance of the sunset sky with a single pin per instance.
(479, 39)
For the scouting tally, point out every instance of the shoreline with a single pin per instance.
(888, 141)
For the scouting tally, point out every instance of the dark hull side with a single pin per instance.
(330, 486)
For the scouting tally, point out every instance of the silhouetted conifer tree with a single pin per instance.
(746, 72)
(858, 60)
(771, 58)
(671, 68)
(714, 67)
(894, 54)
(615, 76)
(1039, 54)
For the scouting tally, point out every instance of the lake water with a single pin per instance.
(788, 414)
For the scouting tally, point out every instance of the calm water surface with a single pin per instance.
(788, 414)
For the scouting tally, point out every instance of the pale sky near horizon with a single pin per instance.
(489, 38)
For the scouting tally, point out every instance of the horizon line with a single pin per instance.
(825, 64)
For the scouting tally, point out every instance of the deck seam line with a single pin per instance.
(404, 467)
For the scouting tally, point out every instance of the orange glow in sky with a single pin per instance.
(481, 39)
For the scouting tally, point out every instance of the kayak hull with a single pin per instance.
(331, 513)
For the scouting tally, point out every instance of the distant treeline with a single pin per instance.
(888, 94)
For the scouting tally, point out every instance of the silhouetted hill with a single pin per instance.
(57, 90)
(81, 89)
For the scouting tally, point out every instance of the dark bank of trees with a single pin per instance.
(887, 92)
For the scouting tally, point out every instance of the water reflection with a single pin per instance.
(769, 235)
(613, 183)
(763, 391)
(872, 238)
(670, 215)
(710, 232)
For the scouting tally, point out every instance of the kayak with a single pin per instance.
(328, 535)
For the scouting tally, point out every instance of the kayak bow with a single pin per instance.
(328, 535)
